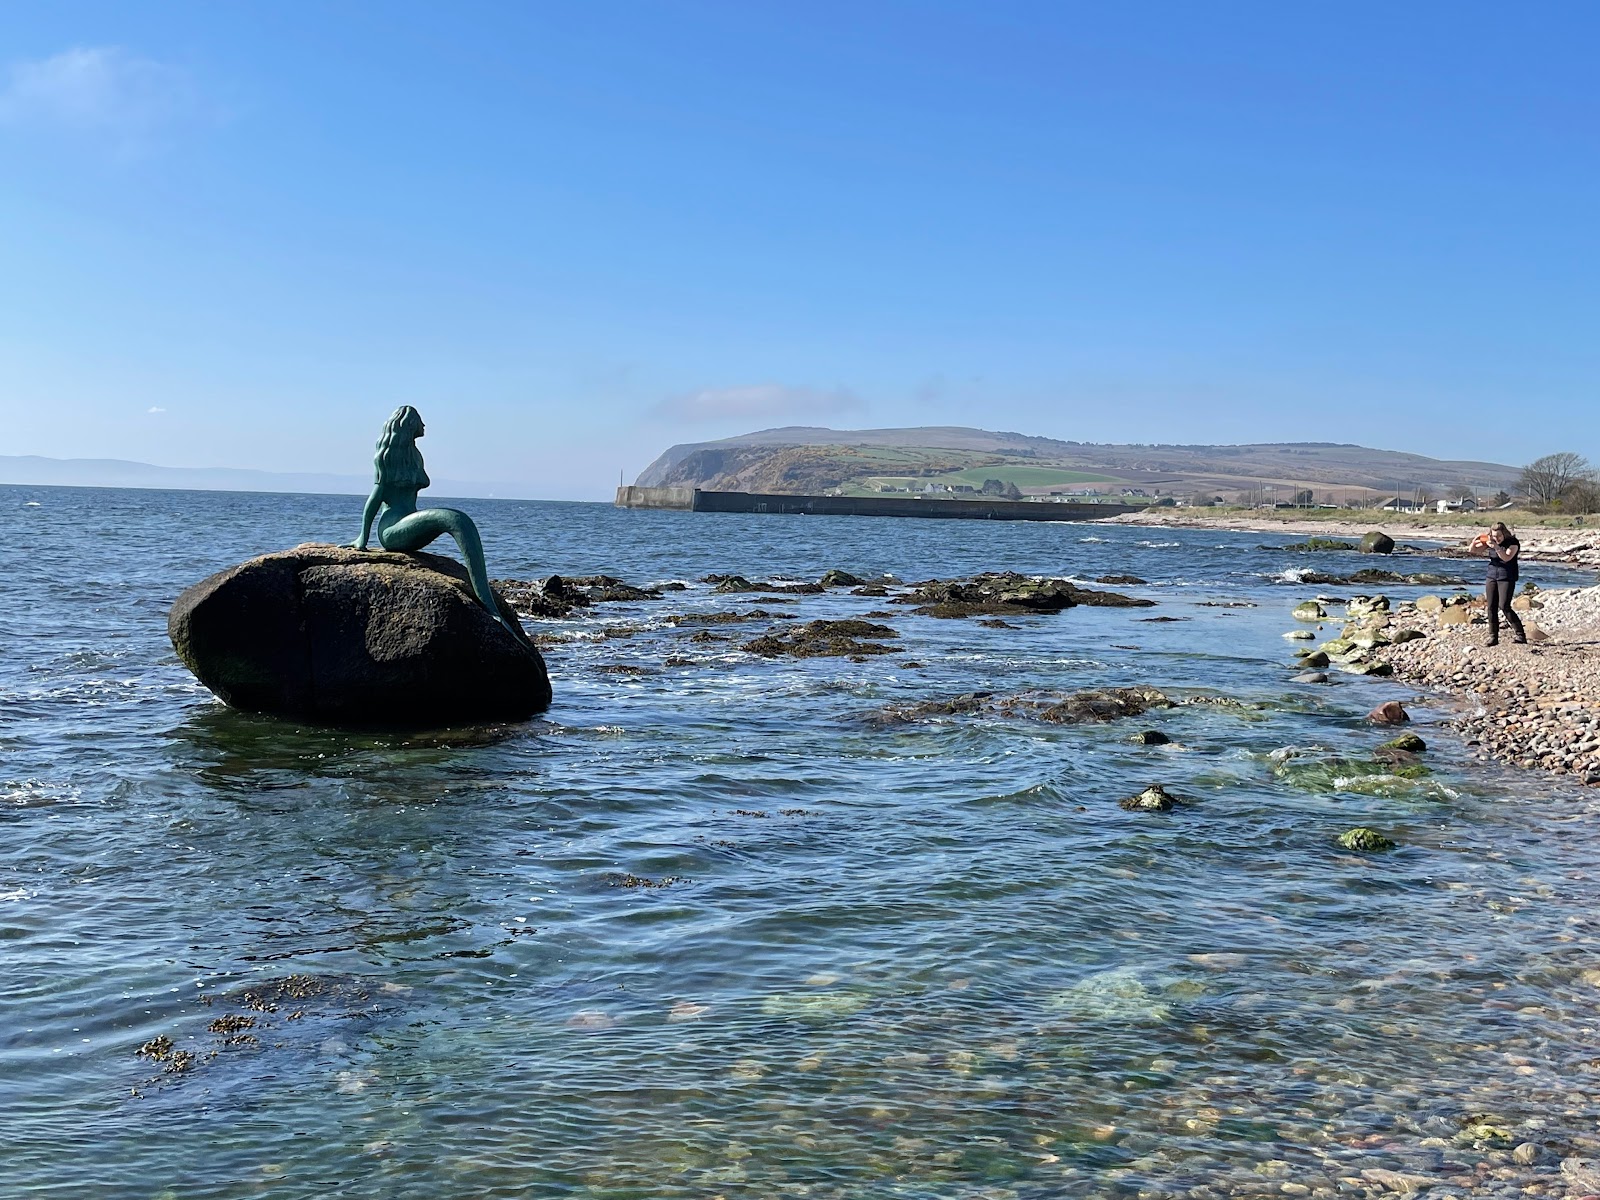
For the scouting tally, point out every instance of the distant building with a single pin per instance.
(1401, 504)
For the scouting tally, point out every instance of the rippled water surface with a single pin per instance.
(925, 959)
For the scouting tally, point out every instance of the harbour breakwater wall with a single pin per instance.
(696, 500)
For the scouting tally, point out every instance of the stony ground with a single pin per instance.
(1574, 547)
(1538, 705)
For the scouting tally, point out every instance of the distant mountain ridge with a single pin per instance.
(801, 459)
(33, 469)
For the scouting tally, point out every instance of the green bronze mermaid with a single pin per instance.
(401, 525)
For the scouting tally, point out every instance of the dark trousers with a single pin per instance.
(1498, 593)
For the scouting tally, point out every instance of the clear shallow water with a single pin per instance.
(929, 959)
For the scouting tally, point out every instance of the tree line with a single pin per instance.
(1562, 482)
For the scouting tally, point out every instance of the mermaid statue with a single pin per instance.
(401, 524)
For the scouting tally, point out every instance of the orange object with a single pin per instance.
(1480, 541)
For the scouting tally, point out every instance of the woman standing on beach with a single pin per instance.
(1502, 548)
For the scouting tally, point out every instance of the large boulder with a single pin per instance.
(363, 637)
(1377, 542)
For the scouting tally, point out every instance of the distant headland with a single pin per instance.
(956, 461)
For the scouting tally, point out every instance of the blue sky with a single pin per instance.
(239, 235)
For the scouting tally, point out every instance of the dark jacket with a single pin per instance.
(1499, 569)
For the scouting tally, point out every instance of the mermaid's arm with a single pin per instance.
(371, 510)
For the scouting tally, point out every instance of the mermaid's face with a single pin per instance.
(414, 426)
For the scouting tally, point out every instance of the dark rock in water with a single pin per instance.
(1314, 660)
(345, 636)
(1409, 742)
(1368, 841)
(558, 595)
(1161, 620)
(1154, 798)
(819, 639)
(1374, 575)
(1151, 737)
(1126, 580)
(1377, 542)
(996, 623)
(837, 578)
(1317, 543)
(1102, 704)
(1007, 593)
(870, 589)
(732, 583)
(955, 706)
(1311, 677)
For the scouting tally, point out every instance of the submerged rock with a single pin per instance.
(1154, 798)
(1318, 543)
(1007, 593)
(361, 637)
(1409, 742)
(1099, 704)
(1364, 840)
(1151, 737)
(1125, 580)
(820, 639)
(1312, 677)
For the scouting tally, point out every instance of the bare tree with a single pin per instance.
(1463, 491)
(1546, 480)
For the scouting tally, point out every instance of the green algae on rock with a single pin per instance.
(1367, 841)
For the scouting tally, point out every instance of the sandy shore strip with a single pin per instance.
(1573, 547)
(1535, 705)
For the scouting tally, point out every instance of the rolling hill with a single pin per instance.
(807, 460)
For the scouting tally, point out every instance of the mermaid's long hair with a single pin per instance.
(398, 461)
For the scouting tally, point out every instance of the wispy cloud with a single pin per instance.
(105, 92)
(763, 402)
(155, 408)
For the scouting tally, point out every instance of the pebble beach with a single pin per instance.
(1535, 705)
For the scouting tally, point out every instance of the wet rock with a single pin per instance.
(1409, 742)
(1376, 542)
(1312, 677)
(1150, 737)
(1125, 580)
(1300, 635)
(342, 636)
(837, 578)
(1390, 712)
(1318, 544)
(1360, 606)
(955, 706)
(1309, 610)
(1369, 668)
(1102, 704)
(1154, 798)
(996, 623)
(818, 639)
(1007, 593)
(1314, 660)
(870, 589)
(1364, 840)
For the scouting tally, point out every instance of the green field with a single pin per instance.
(1022, 476)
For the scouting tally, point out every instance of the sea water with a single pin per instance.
(716, 925)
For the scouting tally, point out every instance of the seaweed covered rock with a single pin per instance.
(1377, 542)
(1006, 593)
(1319, 543)
(1409, 742)
(837, 578)
(328, 633)
(558, 595)
(1309, 610)
(820, 639)
(1364, 840)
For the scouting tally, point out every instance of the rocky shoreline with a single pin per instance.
(1571, 547)
(1533, 706)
